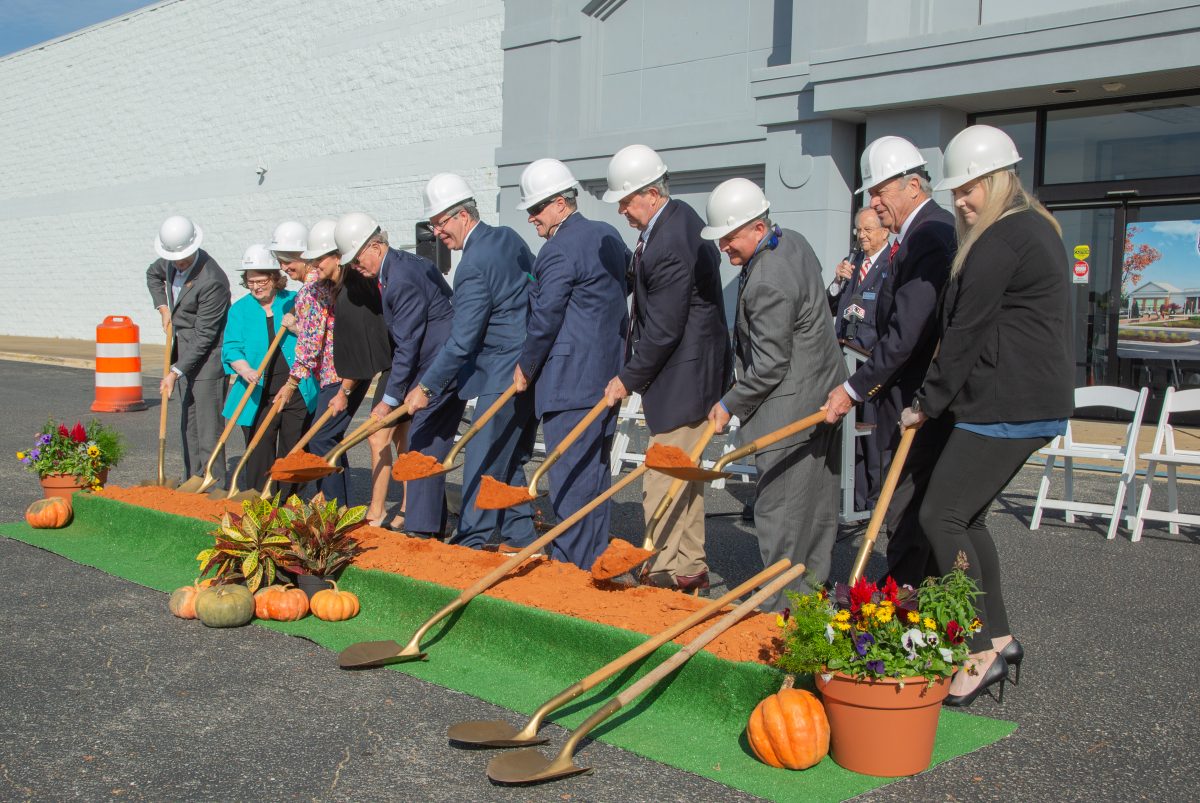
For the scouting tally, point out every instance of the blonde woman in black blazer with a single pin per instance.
(1002, 374)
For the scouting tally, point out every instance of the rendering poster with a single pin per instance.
(1160, 290)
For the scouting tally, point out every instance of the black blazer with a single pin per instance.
(906, 315)
(867, 292)
(1006, 352)
(681, 361)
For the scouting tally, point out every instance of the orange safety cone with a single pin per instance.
(118, 367)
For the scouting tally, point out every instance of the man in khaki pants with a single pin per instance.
(678, 356)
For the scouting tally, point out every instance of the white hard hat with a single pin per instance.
(177, 238)
(320, 239)
(258, 257)
(974, 152)
(886, 158)
(544, 179)
(290, 237)
(732, 204)
(444, 191)
(632, 168)
(352, 232)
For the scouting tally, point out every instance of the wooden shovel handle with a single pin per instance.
(162, 413)
(365, 430)
(478, 423)
(706, 435)
(770, 438)
(312, 431)
(885, 499)
(571, 437)
(276, 406)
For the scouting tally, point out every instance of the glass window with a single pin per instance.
(1134, 140)
(1022, 127)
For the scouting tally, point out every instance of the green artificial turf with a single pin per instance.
(511, 655)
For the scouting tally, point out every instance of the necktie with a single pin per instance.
(865, 269)
(635, 267)
(895, 248)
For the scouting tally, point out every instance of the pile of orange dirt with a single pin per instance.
(662, 456)
(415, 466)
(297, 462)
(546, 584)
(619, 557)
(495, 495)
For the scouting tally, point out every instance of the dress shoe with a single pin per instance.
(997, 672)
(508, 550)
(656, 579)
(693, 583)
(1013, 654)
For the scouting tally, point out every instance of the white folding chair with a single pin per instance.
(1068, 448)
(1174, 401)
(629, 418)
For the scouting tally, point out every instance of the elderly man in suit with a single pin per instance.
(678, 354)
(786, 355)
(853, 297)
(418, 315)
(894, 178)
(576, 336)
(191, 293)
(491, 289)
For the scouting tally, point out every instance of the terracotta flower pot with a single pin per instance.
(61, 485)
(878, 728)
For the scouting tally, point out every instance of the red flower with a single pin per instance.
(62, 430)
(890, 589)
(78, 433)
(954, 632)
(860, 593)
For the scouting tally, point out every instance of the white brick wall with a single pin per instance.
(349, 104)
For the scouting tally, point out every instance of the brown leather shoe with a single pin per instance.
(656, 579)
(692, 582)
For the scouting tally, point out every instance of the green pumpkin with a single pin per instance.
(225, 606)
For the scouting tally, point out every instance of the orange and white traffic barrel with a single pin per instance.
(118, 366)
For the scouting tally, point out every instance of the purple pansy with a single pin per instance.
(862, 642)
(875, 666)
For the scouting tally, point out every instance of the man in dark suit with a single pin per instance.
(894, 177)
(576, 336)
(786, 355)
(854, 297)
(491, 288)
(678, 355)
(418, 315)
(191, 293)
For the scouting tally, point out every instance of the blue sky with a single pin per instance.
(24, 23)
(1177, 240)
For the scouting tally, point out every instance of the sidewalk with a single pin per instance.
(71, 353)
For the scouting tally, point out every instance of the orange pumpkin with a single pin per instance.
(333, 605)
(789, 730)
(48, 514)
(183, 601)
(283, 603)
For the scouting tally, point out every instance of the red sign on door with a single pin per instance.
(1081, 271)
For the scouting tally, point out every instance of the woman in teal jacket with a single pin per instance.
(249, 330)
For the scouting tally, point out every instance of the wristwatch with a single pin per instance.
(346, 391)
(426, 390)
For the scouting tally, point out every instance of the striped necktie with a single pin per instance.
(865, 269)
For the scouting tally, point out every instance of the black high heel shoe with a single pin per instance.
(1013, 654)
(997, 672)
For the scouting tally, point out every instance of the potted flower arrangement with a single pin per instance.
(882, 658)
(68, 460)
(321, 541)
(249, 548)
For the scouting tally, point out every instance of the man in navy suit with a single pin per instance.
(853, 297)
(678, 356)
(894, 177)
(491, 287)
(576, 337)
(417, 311)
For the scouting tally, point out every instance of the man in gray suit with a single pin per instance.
(786, 352)
(191, 293)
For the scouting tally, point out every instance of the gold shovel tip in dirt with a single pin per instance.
(416, 466)
(300, 467)
(530, 766)
(620, 557)
(369, 654)
(495, 495)
(491, 733)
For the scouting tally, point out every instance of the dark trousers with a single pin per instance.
(500, 450)
(284, 431)
(909, 557)
(579, 476)
(331, 434)
(971, 472)
(868, 458)
(200, 424)
(432, 433)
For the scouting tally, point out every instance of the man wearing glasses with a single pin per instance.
(491, 289)
(895, 180)
(576, 337)
(191, 293)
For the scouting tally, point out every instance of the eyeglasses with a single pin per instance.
(540, 207)
(259, 282)
(441, 224)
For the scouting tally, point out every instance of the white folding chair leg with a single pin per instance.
(1118, 508)
(1043, 492)
(1139, 521)
(1069, 486)
(1172, 499)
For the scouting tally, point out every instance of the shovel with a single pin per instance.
(380, 653)
(200, 485)
(360, 434)
(529, 766)
(695, 473)
(448, 463)
(885, 498)
(498, 733)
(652, 524)
(162, 421)
(553, 456)
(233, 493)
(300, 444)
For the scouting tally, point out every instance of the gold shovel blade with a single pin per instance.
(367, 654)
(191, 485)
(490, 733)
(530, 766)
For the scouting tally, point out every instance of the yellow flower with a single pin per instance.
(913, 617)
(93, 451)
(883, 615)
(20, 455)
(976, 625)
(930, 624)
(842, 616)
(779, 621)
(868, 608)
(842, 626)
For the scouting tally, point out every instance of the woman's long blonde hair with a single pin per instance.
(1005, 196)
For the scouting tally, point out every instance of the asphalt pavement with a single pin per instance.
(106, 696)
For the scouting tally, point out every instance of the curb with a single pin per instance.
(41, 359)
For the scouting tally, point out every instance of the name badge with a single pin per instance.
(868, 296)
